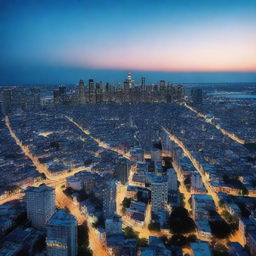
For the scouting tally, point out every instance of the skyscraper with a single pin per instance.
(162, 85)
(61, 237)
(159, 193)
(62, 90)
(129, 80)
(143, 83)
(81, 91)
(40, 202)
(91, 91)
(109, 199)
(122, 170)
(197, 95)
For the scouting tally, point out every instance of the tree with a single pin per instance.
(220, 250)
(83, 240)
(129, 233)
(126, 202)
(178, 240)
(55, 144)
(245, 191)
(142, 242)
(180, 222)
(220, 229)
(43, 176)
(82, 234)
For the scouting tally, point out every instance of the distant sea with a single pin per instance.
(38, 75)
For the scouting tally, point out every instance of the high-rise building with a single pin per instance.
(35, 98)
(129, 79)
(56, 95)
(109, 199)
(122, 170)
(81, 91)
(197, 95)
(91, 91)
(98, 93)
(62, 90)
(61, 237)
(179, 92)
(162, 85)
(172, 180)
(159, 193)
(143, 83)
(126, 85)
(40, 202)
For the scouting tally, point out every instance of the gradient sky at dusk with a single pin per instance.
(47, 41)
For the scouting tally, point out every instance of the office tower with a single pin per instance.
(197, 95)
(35, 98)
(62, 93)
(155, 87)
(40, 202)
(107, 87)
(129, 80)
(179, 92)
(81, 91)
(162, 85)
(143, 83)
(62, 90)
(172, 180)
(159, 193)
(56, 95)
(109, 199)
(98, 93)
(122, 170)
(126, 85)
(170, 93)
(61, 237)
(7, 101)
(91, 91)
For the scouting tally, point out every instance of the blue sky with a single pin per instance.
(61, 41)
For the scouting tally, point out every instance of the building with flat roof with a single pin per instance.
(61, 237)
(40, 203)
(159, 193)
(109, 199)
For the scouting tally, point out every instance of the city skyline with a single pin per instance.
(42, 41)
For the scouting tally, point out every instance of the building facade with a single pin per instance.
(40, 202)
(61, 237)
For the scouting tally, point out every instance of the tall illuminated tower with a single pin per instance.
(129, 80)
